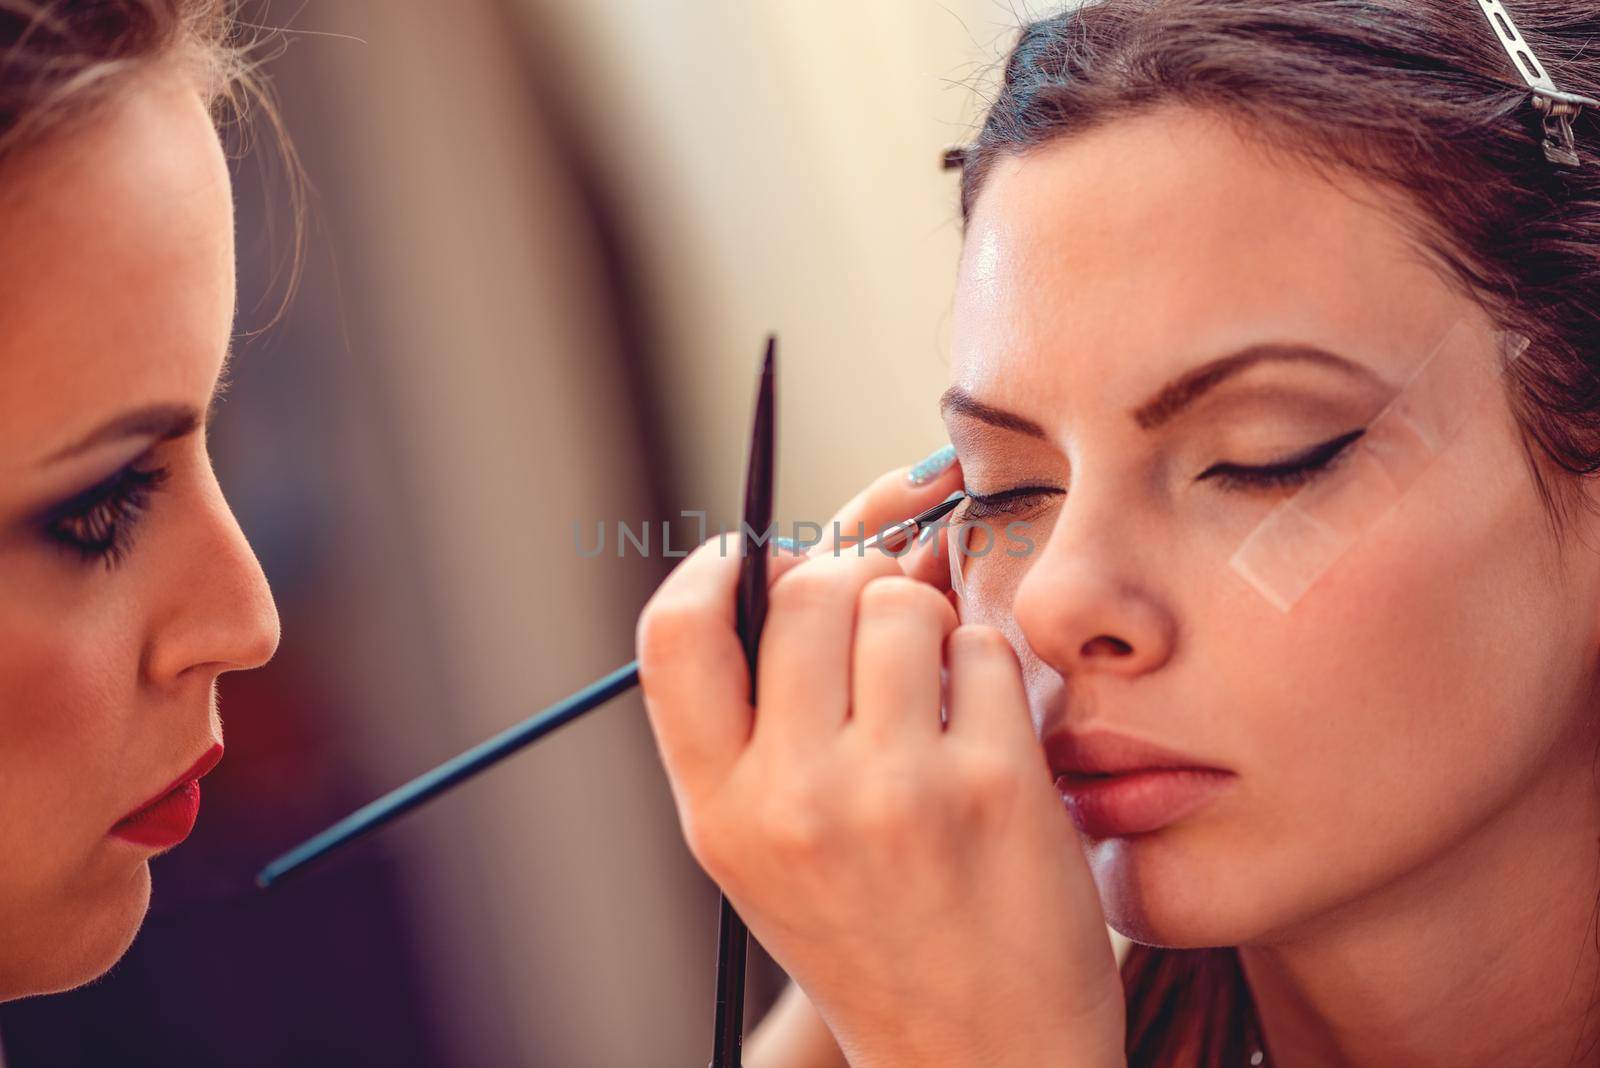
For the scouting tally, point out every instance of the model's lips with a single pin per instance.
(1114, 785)
(167, 818)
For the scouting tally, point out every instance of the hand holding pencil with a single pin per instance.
(921, 883)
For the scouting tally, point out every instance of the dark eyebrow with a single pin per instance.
(958, 401)
(1176, 395)
(1188, 387)
(161, 422)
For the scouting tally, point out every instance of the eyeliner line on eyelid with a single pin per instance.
(1307, 455)
(80, 500)
(91, 493)
(1314, 456)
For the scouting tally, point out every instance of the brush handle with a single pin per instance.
(403, 799)
(486, 754)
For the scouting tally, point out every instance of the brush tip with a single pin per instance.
(269, 876)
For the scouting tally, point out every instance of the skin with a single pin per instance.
(117, 291)
(866, 847)
(1417, 727)
(1405, 852)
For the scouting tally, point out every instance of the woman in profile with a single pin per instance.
(126, 586)
(1206, 242)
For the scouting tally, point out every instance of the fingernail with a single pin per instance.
(936, 463)
(788, 545)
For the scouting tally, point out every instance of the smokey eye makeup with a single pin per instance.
(96, 525)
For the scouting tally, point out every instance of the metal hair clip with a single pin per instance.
(1559, 107)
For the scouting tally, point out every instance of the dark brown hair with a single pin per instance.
(1417, 96)
(60, 60)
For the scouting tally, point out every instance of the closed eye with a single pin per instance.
(1292, 472)
(97, 524)
(1009, 502)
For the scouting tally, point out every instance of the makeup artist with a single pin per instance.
(126, 586)
(1204, 241)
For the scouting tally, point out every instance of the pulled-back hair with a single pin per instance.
(1419, 96)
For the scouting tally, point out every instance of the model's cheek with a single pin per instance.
(1422, 666)
(65, 713)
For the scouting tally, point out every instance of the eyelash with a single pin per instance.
(1008, 503)
(98, 523)
(1292, 473)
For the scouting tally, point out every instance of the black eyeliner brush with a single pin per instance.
(732, 937)
(486, 754)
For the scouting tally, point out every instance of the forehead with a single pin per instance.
(1110, 260)
(116, 265)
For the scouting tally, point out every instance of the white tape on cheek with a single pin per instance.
(1301, 538)
(955, 571)
(955, 538)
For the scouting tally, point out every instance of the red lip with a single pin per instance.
(1114, 785)
(167, 818)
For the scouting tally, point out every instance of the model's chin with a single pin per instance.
(80, 943)
(1178, 890)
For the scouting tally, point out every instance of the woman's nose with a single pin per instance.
(1086, 604)
(221, 616)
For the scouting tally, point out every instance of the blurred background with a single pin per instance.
(548, 238)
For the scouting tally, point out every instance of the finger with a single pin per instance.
(895, 680)
(804, 664)
(929, 561)
(986, 696)
(781, 561)
(692, 668)
(890, 498)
